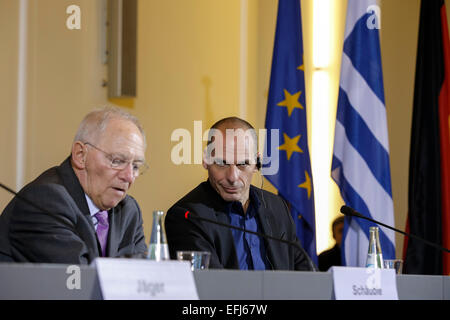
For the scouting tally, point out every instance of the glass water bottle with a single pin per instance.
(374, 254)
(158, 249)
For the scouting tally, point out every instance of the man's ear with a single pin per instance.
(204, 159)
(79, 154)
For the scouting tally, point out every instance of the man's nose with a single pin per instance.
(127, 173)
(232, 173)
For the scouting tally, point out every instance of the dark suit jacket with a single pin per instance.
(273, 214)
(63, 231)
(329, 258)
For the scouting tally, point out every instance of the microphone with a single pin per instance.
(31, 203)
(22, 198)
(189, 215)
(352, 212)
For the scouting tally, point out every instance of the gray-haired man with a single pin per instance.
(81, 208)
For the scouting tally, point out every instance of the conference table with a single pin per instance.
(49, 282)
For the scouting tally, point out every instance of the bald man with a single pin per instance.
(231, 159)
(80, 210)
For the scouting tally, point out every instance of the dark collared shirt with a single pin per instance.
(250, 248)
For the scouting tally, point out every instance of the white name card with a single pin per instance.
(351, 283)
(137, 279)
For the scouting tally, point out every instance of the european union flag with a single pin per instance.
(286, 111)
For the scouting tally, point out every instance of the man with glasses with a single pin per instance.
(80, 210)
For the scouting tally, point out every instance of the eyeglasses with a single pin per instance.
(117, 163)
(222, 164)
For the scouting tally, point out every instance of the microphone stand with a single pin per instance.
(190, 215)
(31, 203)
(352, 212)
(22, 198)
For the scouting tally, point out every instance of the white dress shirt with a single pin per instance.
(93, 209)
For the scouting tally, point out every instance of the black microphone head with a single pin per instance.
(190, 214)
(348, 211)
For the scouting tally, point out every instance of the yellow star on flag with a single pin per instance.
(290, 101)
(302, 66)
(290, 145)
(307, 184)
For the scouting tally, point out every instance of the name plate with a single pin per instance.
(137, 279)
(351, 283)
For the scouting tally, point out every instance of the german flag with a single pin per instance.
(429, 168)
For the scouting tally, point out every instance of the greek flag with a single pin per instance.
(360, 165)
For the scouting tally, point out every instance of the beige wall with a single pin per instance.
(189, 62)
(400, 22)
(8, 88)
(188, 69)
(65, 79)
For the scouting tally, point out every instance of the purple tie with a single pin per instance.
(102, 229)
